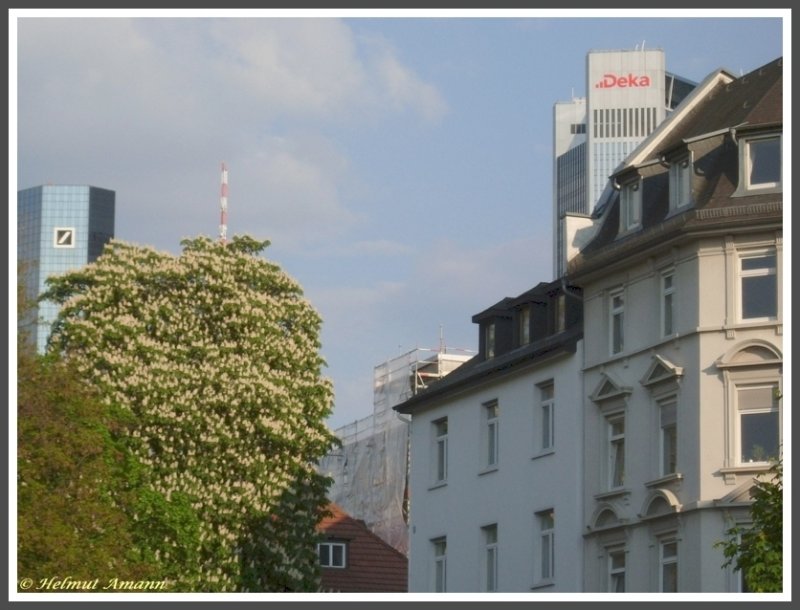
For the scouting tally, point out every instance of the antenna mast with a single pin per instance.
(223, 205)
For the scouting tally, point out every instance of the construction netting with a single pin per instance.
(370, 470)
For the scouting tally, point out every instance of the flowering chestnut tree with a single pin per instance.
(215, 353)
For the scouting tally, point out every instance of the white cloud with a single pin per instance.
(149, 107)
(457, 272)
(405, 89)
(291, 66)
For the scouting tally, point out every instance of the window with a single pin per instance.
(669, 436)
(547, 419)
(752, 373)
(740, 579)
(440, 450)
(332, 554)
(680, 183)
(616, 321)
(546, 521)
(439, 564)
(668, 574)
(759, 285)
(616, 451)
(616, 570)
(490, 340)
(525, 325)
(761, 163)
(759, 423)
(630, 213)
(492, 414)
(667, 303)
(490, 542)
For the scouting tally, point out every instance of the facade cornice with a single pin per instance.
(688, 225)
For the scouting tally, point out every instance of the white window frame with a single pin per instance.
(752, 363)
(440, 432)
(680, 182)
(667, 562)
(491, 555)
(614, 572)
(774, 407)
(630, 206)
(547, 532)
(616, 321)
(667, 285)
(746, 165)
(439, 549)
(668, 435)
(759, 272)
(740, 582)
(491, 413)
(547, 416)
(616, 451)
(331, 545)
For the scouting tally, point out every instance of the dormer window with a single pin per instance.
(760, 163)
(630, 212)
(490, 340)
(525, 325)
(680, 182)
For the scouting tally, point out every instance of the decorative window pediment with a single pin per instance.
(661, 370)
(609, 388)
(660, 503)
(607, 518)
(751, 353)
(742, 493)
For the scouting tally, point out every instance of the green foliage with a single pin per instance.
(71, 488)
(214, 354)
(757, 550)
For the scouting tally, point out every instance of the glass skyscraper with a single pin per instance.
(59, 228)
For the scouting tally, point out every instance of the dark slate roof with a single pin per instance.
(751, 102)
(753, 99)
(501, 308)
(372, 565)
(477, 371)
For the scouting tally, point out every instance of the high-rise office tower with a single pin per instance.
(59, 228)
(629, 93)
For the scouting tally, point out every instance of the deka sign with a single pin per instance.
(609, 81)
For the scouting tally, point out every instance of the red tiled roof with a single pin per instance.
(372, 565)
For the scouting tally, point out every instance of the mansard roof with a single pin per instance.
(478, 371)
(707, 124)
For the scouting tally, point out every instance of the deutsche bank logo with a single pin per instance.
(64, 237)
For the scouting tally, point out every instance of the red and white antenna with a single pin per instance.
(223, 205)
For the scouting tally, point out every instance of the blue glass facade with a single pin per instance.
(59, 228)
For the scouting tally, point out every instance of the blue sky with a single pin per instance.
(401, 166)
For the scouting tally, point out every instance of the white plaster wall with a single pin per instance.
(706, 293)
(509, 496)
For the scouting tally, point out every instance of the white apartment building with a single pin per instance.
(682, 285)
(495, 498)
(611, 427)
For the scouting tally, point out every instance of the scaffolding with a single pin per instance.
(370, 470)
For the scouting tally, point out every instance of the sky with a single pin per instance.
(401, 166)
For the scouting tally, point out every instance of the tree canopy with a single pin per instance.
(757, 549)
(214, 354)
(73, 480)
